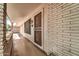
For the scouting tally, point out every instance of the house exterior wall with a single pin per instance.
(1, 29)
(31, 37)
(63, 25)
(61, 28)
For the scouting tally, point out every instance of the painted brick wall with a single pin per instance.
(1, 29)
(63, 29)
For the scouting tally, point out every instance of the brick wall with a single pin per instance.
(1, 28)
(63, 29)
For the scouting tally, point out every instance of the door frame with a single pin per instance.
(39, 42)
(42, 25)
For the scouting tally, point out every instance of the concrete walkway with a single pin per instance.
(22, 47)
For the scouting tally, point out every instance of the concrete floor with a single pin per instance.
(22, 47)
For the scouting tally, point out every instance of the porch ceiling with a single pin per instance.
(17, 11)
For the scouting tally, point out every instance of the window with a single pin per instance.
(27, 26)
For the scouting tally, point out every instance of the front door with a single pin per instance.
(38, 29)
